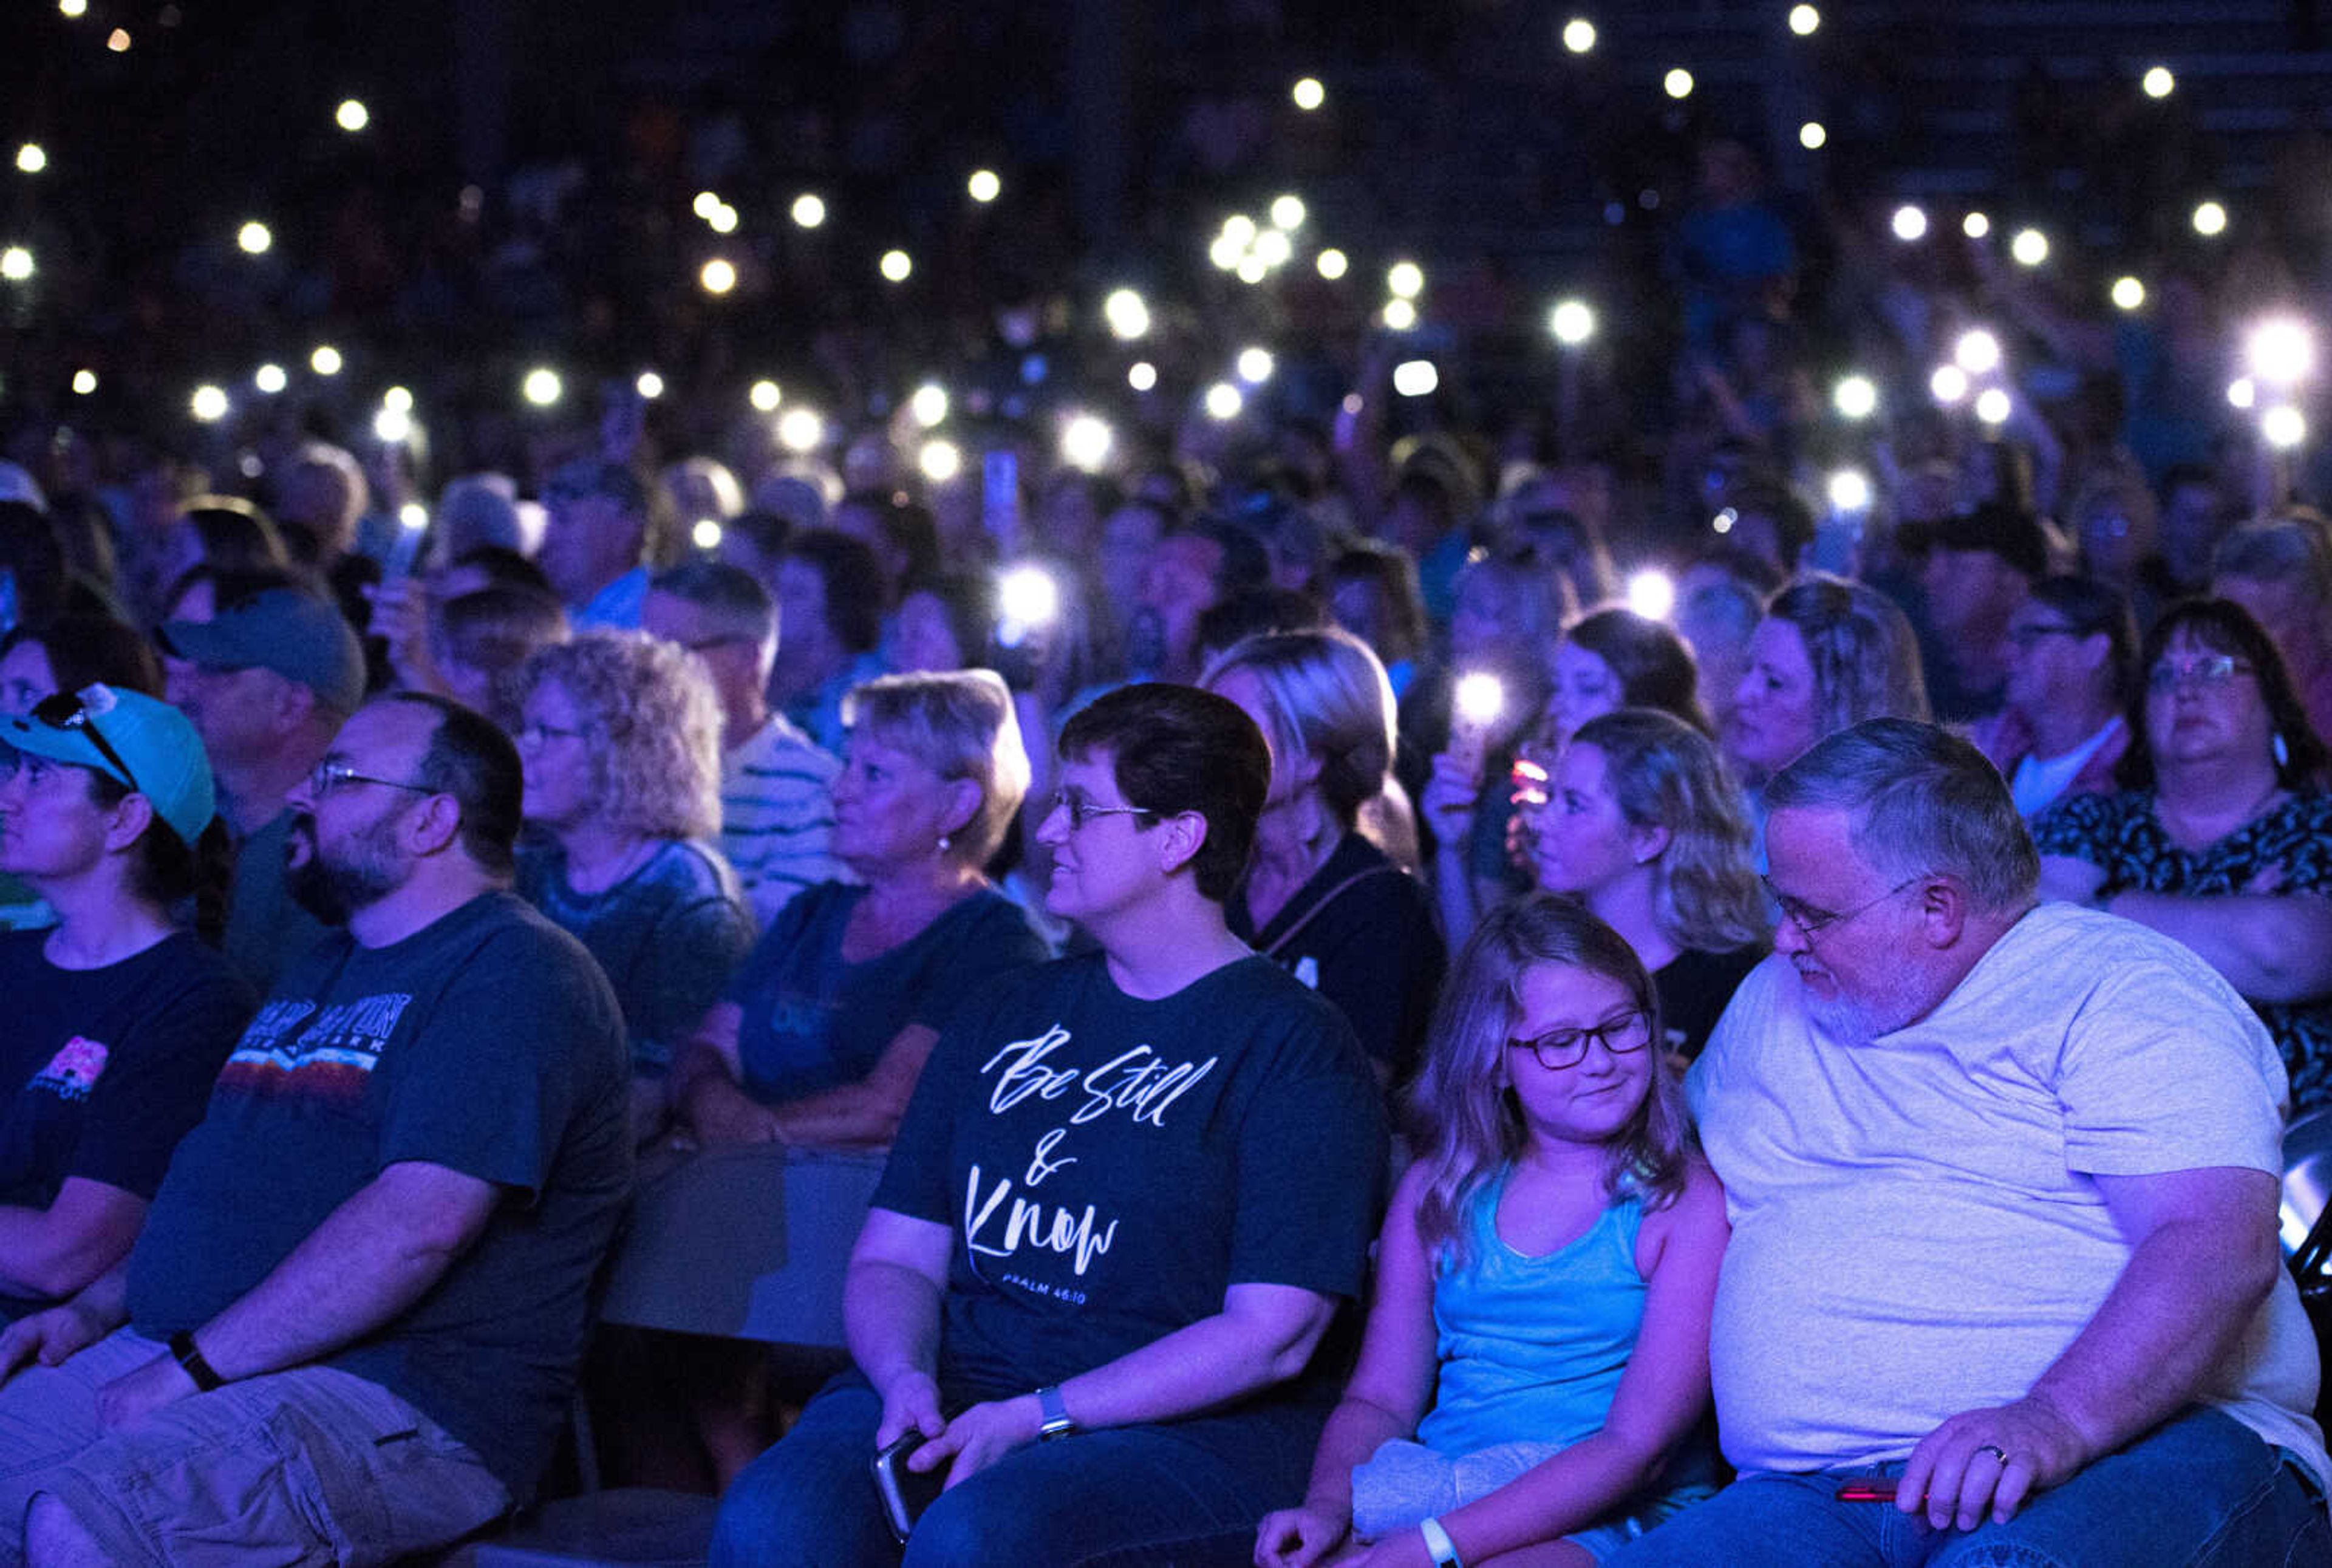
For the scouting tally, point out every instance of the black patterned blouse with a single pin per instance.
(2121, 836)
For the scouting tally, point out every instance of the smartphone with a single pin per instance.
(905, 1493)
(1873, 1488)
(404, 551)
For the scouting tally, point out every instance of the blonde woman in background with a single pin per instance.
(1641, 824)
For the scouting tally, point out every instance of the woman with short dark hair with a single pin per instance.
(1100, 1223)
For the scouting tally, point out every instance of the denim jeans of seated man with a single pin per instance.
(1118, 1496)
(2201, 1491)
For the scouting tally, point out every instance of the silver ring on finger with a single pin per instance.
(1996, 1451)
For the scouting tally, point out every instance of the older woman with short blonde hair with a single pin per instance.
(620, 737)
(823, 1034)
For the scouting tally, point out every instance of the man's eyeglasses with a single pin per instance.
(1081, 810)
(2208, 672)
(1811, 920)
(66, 711)
(1559, 1048)
(326, 777)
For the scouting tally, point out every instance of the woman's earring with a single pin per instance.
(945, 842)
(2282, 753)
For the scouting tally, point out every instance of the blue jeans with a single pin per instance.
(1126, 1494)
(2201, 1491)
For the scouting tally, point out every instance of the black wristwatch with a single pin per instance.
(1056, 1421)
(183, 1349)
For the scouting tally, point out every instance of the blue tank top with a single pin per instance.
(1532, 1348)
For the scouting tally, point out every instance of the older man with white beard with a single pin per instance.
(2003, 1285)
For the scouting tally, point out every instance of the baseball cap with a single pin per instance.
(2010, 532)
(297, 634)
(130, 738)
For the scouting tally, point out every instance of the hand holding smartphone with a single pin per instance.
(905, 1493)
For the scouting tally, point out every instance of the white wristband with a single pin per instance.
(1438, 1541)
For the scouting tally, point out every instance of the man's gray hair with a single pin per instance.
(1923, 802)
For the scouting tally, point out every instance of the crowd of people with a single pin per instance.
(1441, 985)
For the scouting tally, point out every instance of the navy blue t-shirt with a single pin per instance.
(489, 1043)
(811, 1020)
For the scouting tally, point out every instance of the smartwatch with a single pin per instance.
(1055, 1421)
(183, 1351)
(1438, 1541)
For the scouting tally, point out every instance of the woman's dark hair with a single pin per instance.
(2092, 608)
(233, 584)
(2224, 626)
(168, 871)
(235, 534)
(1259, 613)
(1393, 574)
(34, 556)
(907, 524)
(83, 650)
(1176, 748)
(854, 586)
(505, 568)
(968, 600)
(470, 759)
(1653, 667)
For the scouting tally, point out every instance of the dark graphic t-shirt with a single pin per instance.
(1109, 1166)
(105, 1069)
(488, 1043)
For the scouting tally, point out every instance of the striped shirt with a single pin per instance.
(777, 816)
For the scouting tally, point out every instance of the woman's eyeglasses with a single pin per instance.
(2207, 672)
(1081, 810)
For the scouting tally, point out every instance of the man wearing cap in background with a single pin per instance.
(115, 1019)
(267, 684)
(349, 1327)
(604, 531)
(1979, 567)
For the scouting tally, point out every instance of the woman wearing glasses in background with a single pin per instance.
(2221, 834)
(620, 737)
(115, 1019)
(1129, 1196)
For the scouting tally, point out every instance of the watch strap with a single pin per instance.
(1438, 1541)
(1054, 1420)
(183, 1350)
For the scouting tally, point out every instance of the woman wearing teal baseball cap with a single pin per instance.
(117, 1019)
